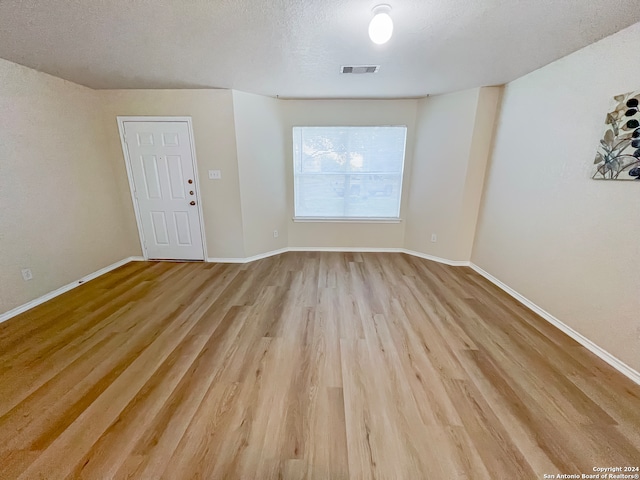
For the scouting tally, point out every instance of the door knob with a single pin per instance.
(189, 181)
(192, 202)
(190, 192)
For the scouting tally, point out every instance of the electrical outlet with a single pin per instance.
(275, 234)
(26, 274)
(434, 237)
(215, 175)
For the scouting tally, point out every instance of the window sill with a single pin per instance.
(345, 220)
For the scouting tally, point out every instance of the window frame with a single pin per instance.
(354, 219)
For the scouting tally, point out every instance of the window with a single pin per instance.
(348, 172)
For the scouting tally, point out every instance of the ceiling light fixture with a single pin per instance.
(381, 26)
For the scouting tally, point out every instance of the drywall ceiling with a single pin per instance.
(295, 48)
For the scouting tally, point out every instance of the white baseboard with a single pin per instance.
(578, 337)
(347, 249)
(70, 286)
(248, 259)
(453, 263)
(304, 249)
(227, 260)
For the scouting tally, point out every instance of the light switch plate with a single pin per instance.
(215, 175)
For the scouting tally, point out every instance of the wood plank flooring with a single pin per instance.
(303, 365)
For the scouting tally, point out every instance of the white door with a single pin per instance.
(164, 184)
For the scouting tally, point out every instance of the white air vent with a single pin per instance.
(359, 68)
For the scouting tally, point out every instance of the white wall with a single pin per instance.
(215, 145)
(568, 243)
(453, 136)
(261, 163)
(347, 112)
(61, 208)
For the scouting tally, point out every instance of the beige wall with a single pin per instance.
(453, 136)
(347, 112)
(568, 243)
(60, 208)
(215, 144)
(480, 151)
(261, 163)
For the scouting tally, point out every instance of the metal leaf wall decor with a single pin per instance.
(618, 156)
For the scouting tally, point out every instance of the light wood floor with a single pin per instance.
(304, 365)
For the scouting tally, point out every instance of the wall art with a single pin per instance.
(618, 156)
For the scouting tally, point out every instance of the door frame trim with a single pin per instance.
(127, 163)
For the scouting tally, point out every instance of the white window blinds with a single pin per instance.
(348, 172)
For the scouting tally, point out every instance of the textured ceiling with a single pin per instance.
(294, 48)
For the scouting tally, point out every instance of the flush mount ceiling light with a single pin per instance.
(381, 26)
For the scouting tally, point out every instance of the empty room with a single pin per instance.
(319, 240)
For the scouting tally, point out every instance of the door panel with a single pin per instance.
(151, 177)
(164, 184)
(183, 229)
(176, 181)
(170, 139)
(160, 233)
(144, 139)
